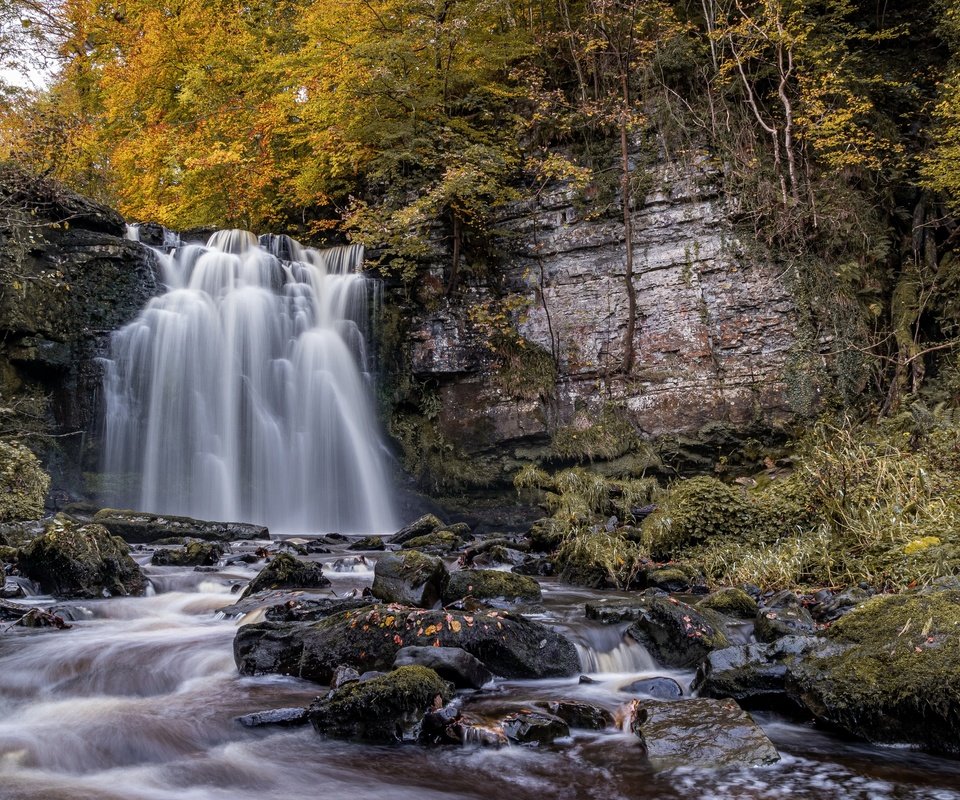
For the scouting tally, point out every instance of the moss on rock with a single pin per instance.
(491, 584)
(23, 483)
(383, 710)
(598, 560)
(287, 572)
(730, 601)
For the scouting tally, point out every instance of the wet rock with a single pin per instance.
(674, 633)
(534, 727)
(287, 572)
(438, 543)
(782, 615)
(428, 523)
(700, 733)
(299, 607)
(453, 664)
(442, 726)
(732, 602)
(509, 645)
(834, 606)
(138, 527)
(383, 710)
(283, 717)
(491, 584)
(72, 560)
(368, 543)
(754, 674)
(195, 554)
(536, 567)
(889, 672)
(613, 612)
(343, 675)
(581, 715)
(673, 579)
(31, 617)
(659, 688)
(409, 578)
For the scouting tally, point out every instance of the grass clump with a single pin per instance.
(607, 436)
(23, 483)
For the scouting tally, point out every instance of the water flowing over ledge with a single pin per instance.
(244, 391)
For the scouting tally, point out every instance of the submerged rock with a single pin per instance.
(509, 645)
(889, 672)
(453, 664)
(72, 560)
(534, 727)
(409, 578)
(674, 633)
(382, 710)
(138, 527)
(284, 717)
(287, 572)
(491, 584)
(195, 554)
(700, 733)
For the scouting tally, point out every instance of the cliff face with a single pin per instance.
(67, 279)
(715, 340)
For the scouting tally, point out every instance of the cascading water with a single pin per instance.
(243, 392)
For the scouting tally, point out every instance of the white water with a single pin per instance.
(242, 393)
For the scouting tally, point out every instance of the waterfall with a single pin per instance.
(244, 392)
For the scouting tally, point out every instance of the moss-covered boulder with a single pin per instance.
(138, 527)
(72, 560)
(428, 523)
(598, 560)
(382, 710)
(287, 572)
(783, 615)
(438, 542)
(693, 511)
(368, 543)
(674, 633)
(195, 554)
(732, 602)
(369, 639)
(410, 578)
(491, 584)
(890, 672)
(23, 483)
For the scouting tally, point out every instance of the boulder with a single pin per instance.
(293, 606)
(491, 584)
(195, 554)
(369, 638)
(732, 602)
(581, 715)
(672, 578)
(613, 612)
(368, 543)
(783, 615)
(534, 727)
(674, 633)
(753, 674)
(830, 607)
(453, 664)
(23, 483)
(659, 688)
(438, 543)
(286, 572)
(428, 523)
(700, 733)
(138, 527)
(889, 672)
(72, 560)
(382, 710)
(409, 578)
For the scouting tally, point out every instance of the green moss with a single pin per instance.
(599, 560)
(23, 483)
(606, 435)
(732, 602)
(443, 541)
(286, 572)
(491, 584)
(693, 511)
(383, 709)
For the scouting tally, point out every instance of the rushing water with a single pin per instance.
(137, 702)
(242, 392)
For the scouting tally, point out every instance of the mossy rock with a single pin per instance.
(491, 584)
(23, 483)
(287, 572)
(442, 541)
(368, 543)
(72, 560)
(674, 578)
(195, 554)
(890, 672)
(732, 602)
(382, 710)
(598, 560)
(694, 511)
(674, 633)
(409, 577)
(421, 526)
(545, 536)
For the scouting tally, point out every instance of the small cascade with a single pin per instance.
(605, 649)
(244, 392)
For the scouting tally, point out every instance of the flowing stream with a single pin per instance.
(137, 702)
(243, 392)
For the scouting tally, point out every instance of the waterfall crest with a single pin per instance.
(244, 392)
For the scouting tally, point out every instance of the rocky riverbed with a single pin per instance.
(150, 696)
